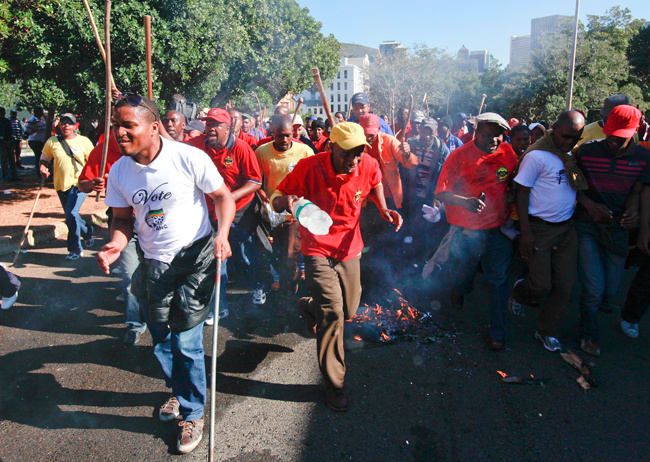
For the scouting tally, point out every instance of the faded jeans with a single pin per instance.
(72, 200)
(600, 273)
(128, 263)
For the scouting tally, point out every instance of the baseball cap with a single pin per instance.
(360, 97)
(446, 121)
(370, 124)
(429, 123)
(348, 135)
(417, 117)
(245, 116)
(534, 125)
(297, 120)
(68, 116)
(513, 121)
(460, 116)
(623, 121)
(492, 118)
(611, 102)
(195, 125)
(218, 115)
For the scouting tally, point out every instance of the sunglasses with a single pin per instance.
(66, 122)
(134, 100)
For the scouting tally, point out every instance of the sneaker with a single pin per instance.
(550, 343)
(131, 337)
(514, 306)
(89, 242)
(336, 398)
(8, 302)
(190, 435)
(259, 297)
(310, 322)
(74, 256)
(590, 347)
(209, 321)
(170, 410)
(629, 329)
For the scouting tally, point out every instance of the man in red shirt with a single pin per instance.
(318, 135)
(236, 129)
(337, 181)
(473, 184)
(241, 173)
(175, 123)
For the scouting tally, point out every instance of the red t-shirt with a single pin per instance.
(469, 172)
(248, 139)
(236, 163)
(341, 196)
(94, 163)
(467, 137)
(320, 144)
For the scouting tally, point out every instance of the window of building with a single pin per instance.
(345, 108)
(332, 86)
(339, 107)
(332, 98)
(345, 85)
(338, 97)
(320, 111)
(345, 97)
(338, 75)
(338, 86)
(345, 74)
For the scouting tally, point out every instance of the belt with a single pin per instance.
(550, 223)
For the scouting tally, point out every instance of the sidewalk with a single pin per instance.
(17, 199)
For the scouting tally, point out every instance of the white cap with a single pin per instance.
(297, 120)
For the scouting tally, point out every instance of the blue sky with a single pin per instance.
(478, 25)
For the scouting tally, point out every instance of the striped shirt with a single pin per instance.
(610, 178)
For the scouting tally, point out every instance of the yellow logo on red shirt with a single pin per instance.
(357, 196)
(502, 174)
(228, 161)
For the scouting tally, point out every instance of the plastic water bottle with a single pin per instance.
(311, 217)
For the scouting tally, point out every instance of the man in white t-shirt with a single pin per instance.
(545, 205)
(163, 184)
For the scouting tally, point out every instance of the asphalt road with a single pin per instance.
(70, 390)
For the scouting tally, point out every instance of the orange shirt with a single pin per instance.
(469, 172)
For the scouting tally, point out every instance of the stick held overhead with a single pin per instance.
(109, 88)
(323, 96)
(97, 38)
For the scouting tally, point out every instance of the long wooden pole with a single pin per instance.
(403, 134)
(295, 114)
(147, 39)
(323, 96)
(480, 109)
(29, 221)
(109, 96)
(572, 65)
(96, 33)
(213, 363)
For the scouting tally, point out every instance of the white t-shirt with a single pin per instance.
(551, 197)
(167, 197)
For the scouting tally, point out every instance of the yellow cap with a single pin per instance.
(348, 135)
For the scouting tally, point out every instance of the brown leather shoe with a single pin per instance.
(590, 347)
(336, 398)
(307, 317)
(190, 435)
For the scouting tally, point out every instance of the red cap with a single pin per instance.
(370, 124)
(512, 122)
(218, 115)
(623, 121)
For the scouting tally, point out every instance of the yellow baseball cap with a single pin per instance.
(348, 135)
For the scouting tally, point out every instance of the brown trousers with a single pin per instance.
(552, 272)
(335, 288)
(286, 254)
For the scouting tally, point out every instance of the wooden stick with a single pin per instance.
(29, 221)
(96, 33)
(482, 101)
(213, 363)
(147, 40)
(295, 114)
(392, 109)
(262, 122)
(403, 130)
(323, 96)
(258, 102)
(109, 96)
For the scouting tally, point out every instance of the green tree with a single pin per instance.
(638, 54)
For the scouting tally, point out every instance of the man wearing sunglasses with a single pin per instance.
(164, 185)
(70, 153)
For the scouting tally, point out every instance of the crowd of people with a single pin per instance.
(545, 205)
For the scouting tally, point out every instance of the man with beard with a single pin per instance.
(164, 184)
(175, 123)
(473, 184)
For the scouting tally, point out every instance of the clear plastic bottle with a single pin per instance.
(311, 217)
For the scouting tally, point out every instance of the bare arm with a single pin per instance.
(224, 206)
(248, 188)
(377, 196)
(631, 215)
(471, 204)
(121, 233)
(597, 212)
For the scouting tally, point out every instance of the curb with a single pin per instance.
(46, 233)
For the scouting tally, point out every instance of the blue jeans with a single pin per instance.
(494, 251)
(223, 297)
(600, 273)
(181, 357)
(71, 200)
(246, 247)
(128, 263)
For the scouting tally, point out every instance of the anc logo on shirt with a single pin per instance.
(357, 196)
(502, 174)
(228, 161)
(156, 219)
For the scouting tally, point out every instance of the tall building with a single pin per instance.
(350, 79)
(539, 27)
(477, 61)
(391, 48)
(519, 51)
(482, 58)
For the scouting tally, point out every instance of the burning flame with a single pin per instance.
(502, 374)
(358, 338)
(400, 293)
(384, 337)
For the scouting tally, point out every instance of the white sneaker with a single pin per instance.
(629, 329)
(550, 343)
(74, 256)
(8, 302)
(259, 297)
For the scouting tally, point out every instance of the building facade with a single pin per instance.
(519, 51)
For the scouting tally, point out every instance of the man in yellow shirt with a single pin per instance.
(277, 159)
(594, 131)
(70, 153)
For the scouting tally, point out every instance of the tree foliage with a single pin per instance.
(201, 48)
